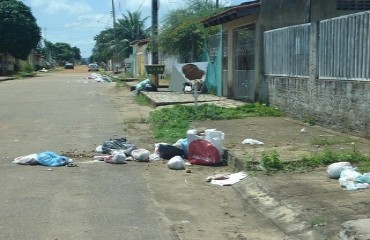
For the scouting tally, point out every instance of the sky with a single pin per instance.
(76, 22)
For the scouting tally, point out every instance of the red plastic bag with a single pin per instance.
(203, 152)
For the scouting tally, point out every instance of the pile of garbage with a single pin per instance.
(349, 177)
(100, 78)
(203, 148)
(200, 149)
(145, 85)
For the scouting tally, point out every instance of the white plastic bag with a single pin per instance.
(30, 159)
(252, 141)
(347, 178)
(140, 154)
(116, 158)
(176, 163)
(335, 169)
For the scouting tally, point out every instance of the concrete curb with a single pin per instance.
(290, 220)
(6, 78)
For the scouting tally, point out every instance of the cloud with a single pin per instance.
(62, 6)
(90, 21)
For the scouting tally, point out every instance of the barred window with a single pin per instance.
(353, 4)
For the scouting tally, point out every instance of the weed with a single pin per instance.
(141, 100)
(271, 161)
(311, 120)
(318, 222)
(327, 141)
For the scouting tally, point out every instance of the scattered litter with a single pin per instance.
(351, 179)
(140, 154)
(252, 141)
(154, 157)
(176, 163)
(167, 151)
(116, 144)
(30, 159)
(232, 179)
(335, 169)
(43, 70)
(72, 165)
(145, 85)
(100, 78)
(203, 152)
(217, 177)
(303, 130)
(116, 159)
(47, 158)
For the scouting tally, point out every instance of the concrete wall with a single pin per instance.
(337, 104)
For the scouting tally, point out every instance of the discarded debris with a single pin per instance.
(47, 158)
(176, 163)
(252, 141)
(228, 180)
(349, 177)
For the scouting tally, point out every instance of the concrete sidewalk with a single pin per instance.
(292, 200)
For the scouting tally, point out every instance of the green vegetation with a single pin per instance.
(171, 124)
(327, 141)
(141, 100)
(310, 120)
(318, 222)
(183, 34)
(19, 30)
(271, 161)
(26, 70)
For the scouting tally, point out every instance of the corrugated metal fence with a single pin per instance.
(344, 47)
(287, 51)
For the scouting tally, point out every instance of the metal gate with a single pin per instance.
(244, 52)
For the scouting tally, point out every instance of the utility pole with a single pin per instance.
(154, 31)
(115, 36)
(216, 3)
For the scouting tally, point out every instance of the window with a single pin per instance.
(353, 4)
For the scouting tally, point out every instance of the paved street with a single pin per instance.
(92, 201)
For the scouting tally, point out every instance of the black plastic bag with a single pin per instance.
(118, 143)
(168, 151)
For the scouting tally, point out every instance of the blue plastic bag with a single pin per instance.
(52, 159)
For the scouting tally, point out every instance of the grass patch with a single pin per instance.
(271, 162)
(318, 222)
(142, 100)
(327, 141)
(171, 124)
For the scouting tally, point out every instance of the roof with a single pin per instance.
(242, 10)
(139, 42)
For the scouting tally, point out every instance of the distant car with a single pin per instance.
(93, 67)
(69, 66)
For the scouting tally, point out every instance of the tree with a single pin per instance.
(183, 34)
(61, 52)
(112, 42)
(19, 32)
